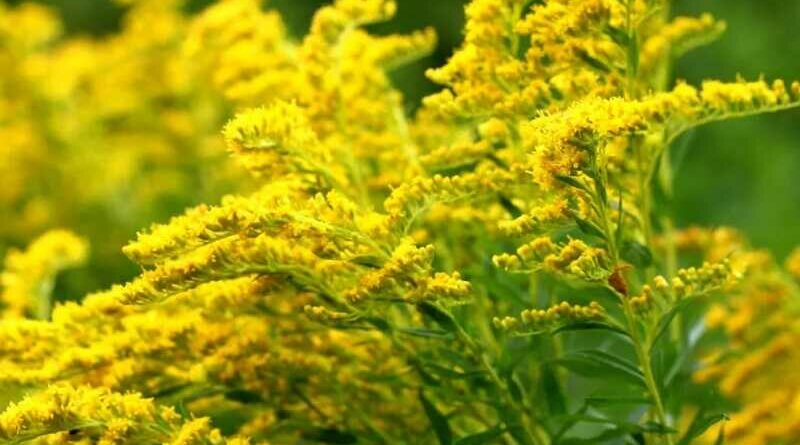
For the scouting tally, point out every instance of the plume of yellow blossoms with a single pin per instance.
(127, 107)
(28, 277)
(66, 413)
(358, 290)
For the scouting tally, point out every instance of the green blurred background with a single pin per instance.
(744, 173)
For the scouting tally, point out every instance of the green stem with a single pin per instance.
(642, 354)
(645, 364)
(44, 300)
(632, 59)
(645, 192)
(670, 248)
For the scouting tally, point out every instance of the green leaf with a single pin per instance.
(677, 365)
(569, 180)
(613, 401)
(171, 390)
(515, 388)
(663, 200)
(604, 437)
(680, 148)
(593, 62)
(379, 323)
(600, 188)
(438, 421)
(620, 218)
(613, 361)
(371, 261)
(588, 227)
(243, 396)
(428, 333)
(509, 206)
(427, 378)
(636, 254)
(619, 36)
(551, 387)
(700, 424)
(666, 319)
(619, 428)
(439, 315)
(599, 364)
(633, 55)
(484, 437)
(329, 435)
(590, 326)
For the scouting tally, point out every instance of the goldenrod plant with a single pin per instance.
(501, 266)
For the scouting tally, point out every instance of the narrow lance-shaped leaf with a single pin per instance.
(439, 423)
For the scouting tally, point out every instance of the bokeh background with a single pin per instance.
(744, 173)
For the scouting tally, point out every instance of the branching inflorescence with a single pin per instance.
(493, 269)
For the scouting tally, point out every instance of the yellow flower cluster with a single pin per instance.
(29, 276)
(269, 140)
(346, 294)
(123, 107)
(759, 320)
(531, 320)
(568, 143)
(793, 263)
(64, 411)
(407, 274)
(573, 259)
(692, 282)
(244, 52)
(217, 336)
(515, 60)
(538, 219)
(678, 37)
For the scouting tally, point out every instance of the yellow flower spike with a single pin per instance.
(533, 320)
(197, 431)
(575, 259)
(507, 261)
(230, 258)
(203, 224)
(660, 283)
(323, 314)
(458, 154)
(414, 197)
(270, 139)
(562, 143)
(793, 263)
(537, 219)
(644, 302)
(494, 129)
(28, 277)
(64, 407)
(398, 275)
(348, 94)
(396, 50)
(677, 37)
(552, 116)
(537, 250)
(369, 11)
(245, 52)
(484, 76)
(580, 260)
(30, 25)
(442, 286)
